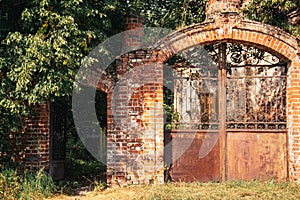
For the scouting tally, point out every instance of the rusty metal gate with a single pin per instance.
(231, 100)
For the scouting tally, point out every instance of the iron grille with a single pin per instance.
(196, 94)
(255, 89)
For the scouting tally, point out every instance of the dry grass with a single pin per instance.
(226, 190)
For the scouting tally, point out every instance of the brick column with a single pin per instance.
(135, 113)
(134, 32)
(37, 152)
(215, 7)
(135, 121)
(293, 113)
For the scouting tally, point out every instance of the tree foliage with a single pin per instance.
(281, 13)
(42, 46)
(43, 43)
(169, 13)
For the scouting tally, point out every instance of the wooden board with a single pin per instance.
(189, 166)
(256, 156)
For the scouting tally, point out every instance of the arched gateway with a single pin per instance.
(255, 105)
(242, 104)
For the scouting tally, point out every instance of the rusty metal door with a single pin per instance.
(230, 111)
(256, 136)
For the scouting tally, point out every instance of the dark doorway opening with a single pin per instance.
(83, 172)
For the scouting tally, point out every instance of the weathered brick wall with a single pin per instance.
(135, 115)
(214, 8)
(37, 138)
(135, 121)
(12, 151)
(30, 146)
(293, 114)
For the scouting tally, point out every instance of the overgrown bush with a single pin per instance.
(27, 185)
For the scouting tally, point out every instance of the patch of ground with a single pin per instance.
(226, 190)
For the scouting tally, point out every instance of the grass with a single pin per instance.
(25, 185)
(225, 190)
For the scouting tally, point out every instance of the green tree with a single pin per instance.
(42, 45)
(281, 13)
(169, 13)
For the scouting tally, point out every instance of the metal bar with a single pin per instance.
(193, 131)
(258, 130)
(241, 77)
(270, 66)
(222, 110)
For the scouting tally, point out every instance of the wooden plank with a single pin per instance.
(256, 156)
(190, 167)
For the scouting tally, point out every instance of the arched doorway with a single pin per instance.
(230, 109)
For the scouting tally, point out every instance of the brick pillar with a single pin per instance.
(37, 150)
(134, 32)
(215, 7)
(119, 133)
(135, 121)
(293, 113)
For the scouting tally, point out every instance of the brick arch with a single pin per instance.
(253, 33)
(265, 37)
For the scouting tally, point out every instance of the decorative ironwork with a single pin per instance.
(255, 89)
(195, 98)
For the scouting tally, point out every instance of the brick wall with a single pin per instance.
(214, 8)
(135, 121)
(13, 150)
(293, 114)
(30, 146)
(37, 134)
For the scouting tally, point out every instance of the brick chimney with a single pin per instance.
(215, 8)
(134, 32)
